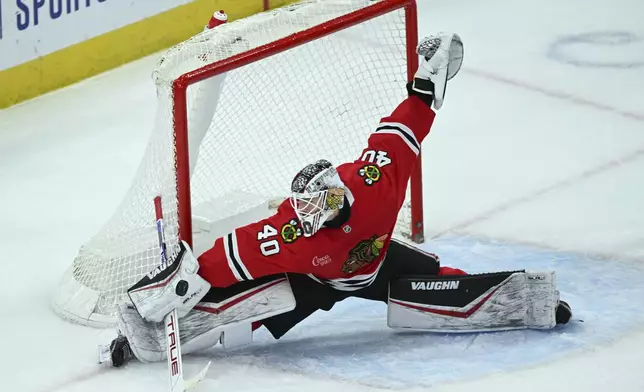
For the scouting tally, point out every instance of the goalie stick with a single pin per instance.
(171, 326)
(171, 322)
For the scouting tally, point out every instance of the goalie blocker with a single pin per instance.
(476, 303)
(206, 316)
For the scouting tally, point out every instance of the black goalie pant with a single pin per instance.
(311, 296)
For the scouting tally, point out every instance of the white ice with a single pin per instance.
(535, 161)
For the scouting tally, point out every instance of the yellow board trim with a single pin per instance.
(96, 55)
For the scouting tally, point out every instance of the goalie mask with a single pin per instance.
(317, 193)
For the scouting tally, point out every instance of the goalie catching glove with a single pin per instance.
(177, 286)
(441, 59)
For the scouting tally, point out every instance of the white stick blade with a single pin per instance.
(193, 382)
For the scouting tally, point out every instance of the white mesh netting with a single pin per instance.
(250, 130)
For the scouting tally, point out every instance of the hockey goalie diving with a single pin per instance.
(342, 215)
(348, 195)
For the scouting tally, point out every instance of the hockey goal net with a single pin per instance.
(241, 109)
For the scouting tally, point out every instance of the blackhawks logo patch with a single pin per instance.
(363, 253)
(334, 198)
(370, 173)
(291, 231)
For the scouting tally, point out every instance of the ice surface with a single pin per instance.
(535, 161)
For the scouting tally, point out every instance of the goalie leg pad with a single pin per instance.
(472, 303)
(223, 315)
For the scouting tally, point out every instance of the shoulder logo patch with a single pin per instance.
(370, 173)
(291, 231)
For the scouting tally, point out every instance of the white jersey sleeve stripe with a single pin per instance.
(406, 134)
(242, 266)
(231, 264)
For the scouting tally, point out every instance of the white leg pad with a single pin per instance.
(228, 321)
(473, 303)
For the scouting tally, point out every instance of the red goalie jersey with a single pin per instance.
(347, 257)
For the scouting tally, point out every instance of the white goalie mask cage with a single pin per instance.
(317, 193)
